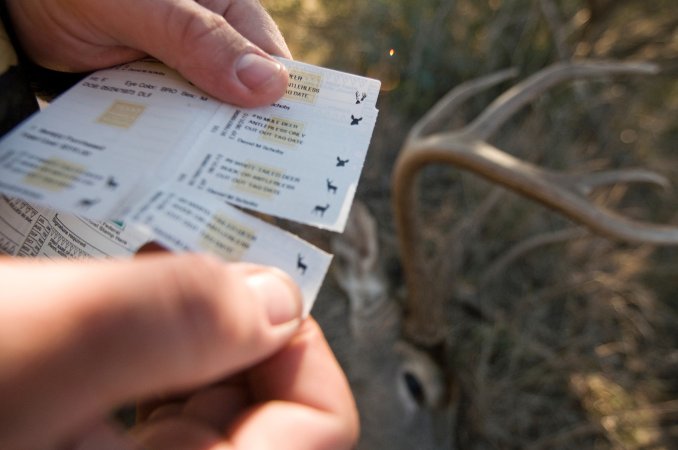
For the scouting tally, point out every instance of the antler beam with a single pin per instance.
(467, 149)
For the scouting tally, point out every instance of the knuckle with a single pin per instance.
(189, 30)
(197, 306)
(213, 310)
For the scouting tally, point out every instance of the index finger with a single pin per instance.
(302, 393)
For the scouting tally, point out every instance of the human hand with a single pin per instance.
(221, 46)
(222, 344)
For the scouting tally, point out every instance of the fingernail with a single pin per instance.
(255, 70)
(151, 247)
(279, 295)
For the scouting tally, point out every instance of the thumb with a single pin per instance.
(210, 49)
(93, 335)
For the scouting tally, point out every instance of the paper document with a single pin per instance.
(29, 230)
(137, 153)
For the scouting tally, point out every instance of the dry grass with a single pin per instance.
(559, 339)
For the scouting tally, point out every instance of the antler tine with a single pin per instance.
(501, 110)
(453, 99)
(556, 191)
(467, 149)
(585, 183)
(529, 245)
(425, 323)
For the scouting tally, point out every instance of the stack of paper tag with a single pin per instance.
(136, 153)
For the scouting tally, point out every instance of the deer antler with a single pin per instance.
(467, 149)
(441, 111)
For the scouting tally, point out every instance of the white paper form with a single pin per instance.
(31, 231)
(183, 224)
(300, 158)
(175, 222)
(124, 131)
(103, 143)
(140, 145)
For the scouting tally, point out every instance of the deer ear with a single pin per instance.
(356, 250)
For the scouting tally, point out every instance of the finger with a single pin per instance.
(96, 334)
(157, 406)
(172, 409)
(217, 406)
(197, 423)
(303, 393)
(272, 426)
(305, 371)
(209, 48)
(151, 247)
(103, 436)
(178, 433)
(70, 38)
(253, 22)
(147, 408)
(302, 402)
(222, 47)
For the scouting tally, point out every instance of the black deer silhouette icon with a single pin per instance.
(111, 183)
(341, 162)
(355, 120)
(360, 98)
(87, 203)
(301, 265)
(320, 210)
(331, 187)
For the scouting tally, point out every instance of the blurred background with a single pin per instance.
(574, 343)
